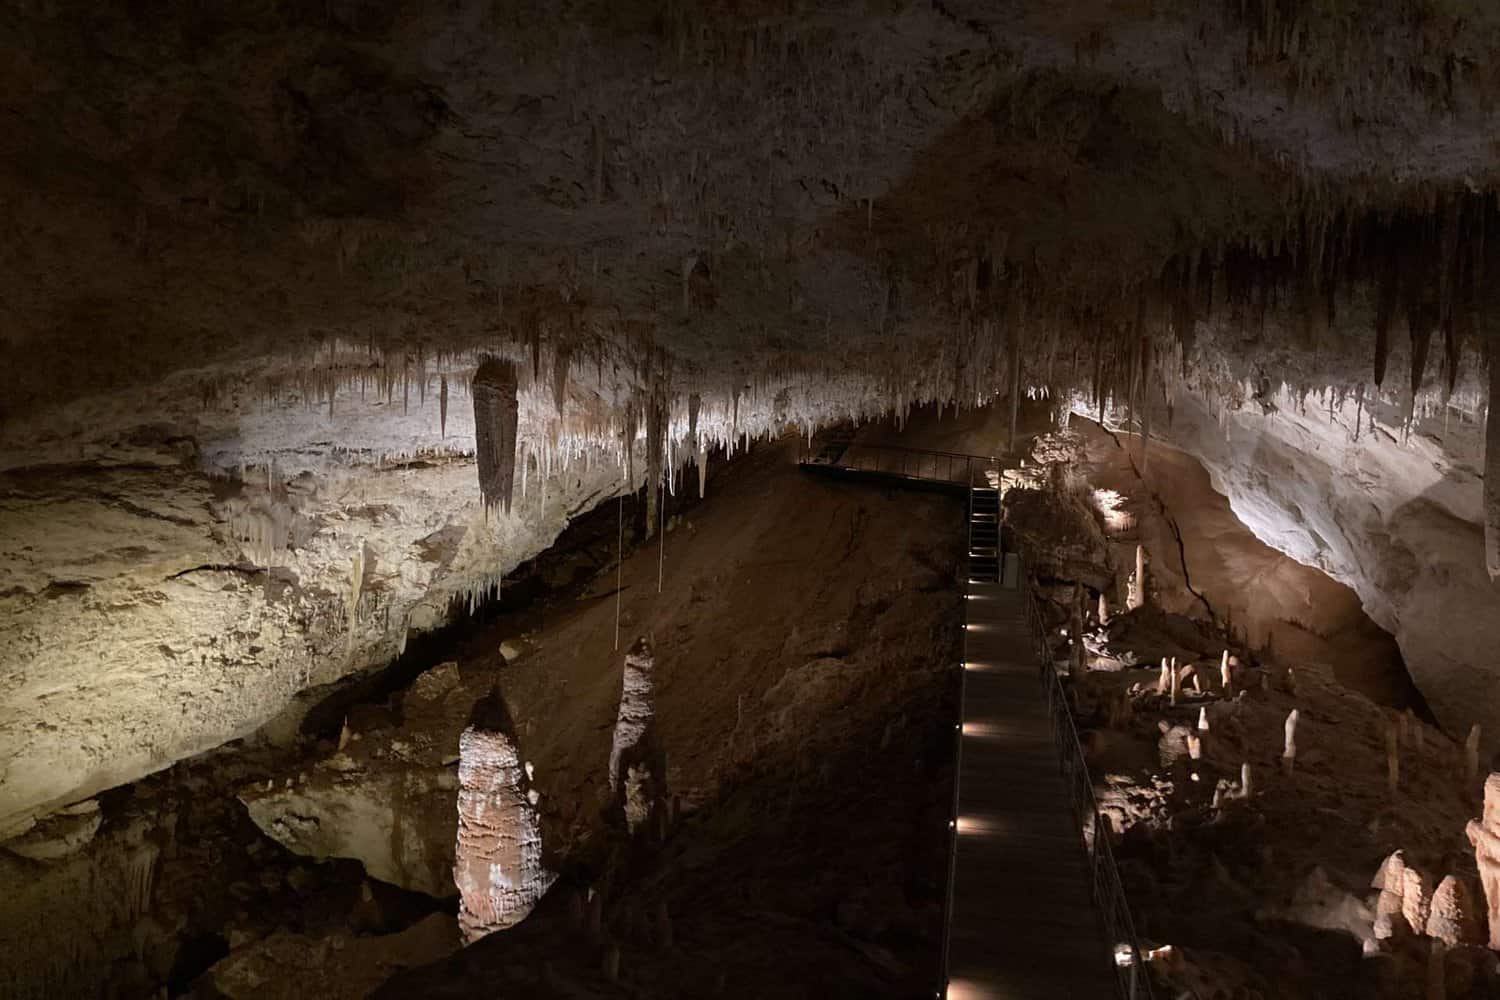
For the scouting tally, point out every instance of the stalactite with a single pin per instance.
(560, 362)
(1385, 311)
(1014, 336)
(656, 432)
(443, 405)
(495, 419)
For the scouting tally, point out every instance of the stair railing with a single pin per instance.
(1109, 892)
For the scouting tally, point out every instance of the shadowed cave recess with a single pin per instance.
(421, 575)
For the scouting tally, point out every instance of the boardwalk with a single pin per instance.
(1022, 923)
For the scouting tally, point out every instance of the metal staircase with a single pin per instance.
(984, 534)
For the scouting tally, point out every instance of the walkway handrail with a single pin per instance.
(926, 464)
(1109, 892)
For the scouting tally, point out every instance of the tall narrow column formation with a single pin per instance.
(498, 860)
(635, 772)
(1484, 834)
(495, 416)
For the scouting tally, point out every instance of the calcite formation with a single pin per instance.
(1451, 918)
(1484, 834)
(495, 416)
(498, 858)
(636, 774)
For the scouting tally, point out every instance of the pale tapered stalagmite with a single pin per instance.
(1137, 588)
(1203, 719)
(1484, 834)
(1247, 783)
(498, 859)
(1164, 679)
(1226, 674)
(636, 776)
(1289, 750)
(1416, 898)
(495, 419)
(1452, 918)
(1390, 880)
(1103, 608)
(1175, 679)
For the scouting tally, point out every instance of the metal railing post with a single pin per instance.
(1107, 889)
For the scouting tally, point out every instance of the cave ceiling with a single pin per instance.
(255, 253)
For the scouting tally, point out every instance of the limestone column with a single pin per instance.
(636, 777)
(1484, 834)
(498, 867)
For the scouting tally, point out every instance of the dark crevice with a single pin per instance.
(244, 568)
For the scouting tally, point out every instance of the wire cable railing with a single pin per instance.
(1108, 891)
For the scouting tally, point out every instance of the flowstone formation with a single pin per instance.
(637, 773)
(498, 866)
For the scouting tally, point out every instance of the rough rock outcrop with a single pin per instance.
(498, 866)
(385, 798)
(394, 817)
(636, 777)
(339, 967)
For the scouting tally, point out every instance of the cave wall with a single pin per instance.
(1399, 519)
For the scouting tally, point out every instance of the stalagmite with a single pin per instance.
(1103, 608)
(495, 417)
(1484, 834)
(1164, 679)
(1203, 719)
(498, 857)
(1226, 674)
(1452, 919)
(1176, 680)
(1247, 786)
(1416, 898)
(636, 775)
(1138, 582)
(1390, 879)
(1289, 751)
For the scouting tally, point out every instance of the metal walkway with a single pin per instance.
(1033, 911)
(1022, 922)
